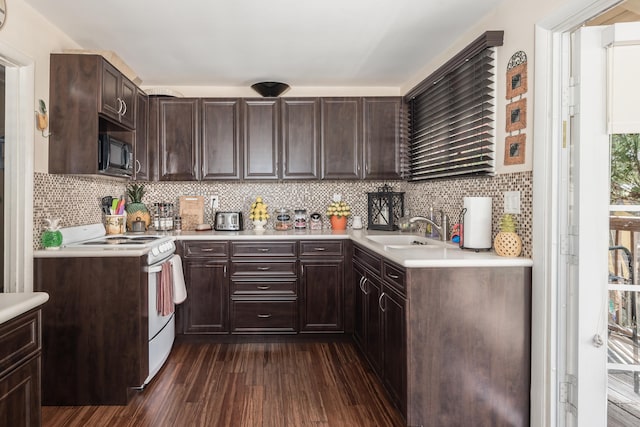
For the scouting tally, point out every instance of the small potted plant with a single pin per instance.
(338, 211)
(258, 214)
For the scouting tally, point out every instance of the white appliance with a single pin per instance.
(157, 249)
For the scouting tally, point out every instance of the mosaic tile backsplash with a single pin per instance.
(76, 200)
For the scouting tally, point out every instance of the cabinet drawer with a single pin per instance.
(264, 316)
(394, 276)
(367, 259)
(317, 248)
(194, 249)
(19, 340)
(262, 249)
(263, 268)
(263, 287)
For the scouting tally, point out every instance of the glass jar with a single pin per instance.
(283, 220)
(300, 219)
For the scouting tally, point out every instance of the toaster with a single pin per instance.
(228, 221)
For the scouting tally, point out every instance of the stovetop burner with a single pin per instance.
(123, 240)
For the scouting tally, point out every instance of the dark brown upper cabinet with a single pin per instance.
(142, 138)
(341, 124)
(260, 120)
(382, 143)
(79, 88)
(118, 96)
(174, 125)
(221, 139)
(300, 138)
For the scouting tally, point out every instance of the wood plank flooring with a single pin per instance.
(269, 384)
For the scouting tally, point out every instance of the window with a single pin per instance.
(451, 115)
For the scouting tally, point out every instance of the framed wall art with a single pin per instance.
(516, 115)
(517, 75)
(514, 148)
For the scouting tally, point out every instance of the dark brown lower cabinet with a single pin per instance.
(20, 349)
(206, 310)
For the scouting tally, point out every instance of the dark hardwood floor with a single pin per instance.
(249, 384)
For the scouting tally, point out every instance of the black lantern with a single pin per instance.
(385, 208)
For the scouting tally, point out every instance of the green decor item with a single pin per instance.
(51, 237)
(136, 210)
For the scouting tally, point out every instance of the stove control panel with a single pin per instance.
(161, 250)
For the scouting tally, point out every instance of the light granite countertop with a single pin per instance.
(13, 305)
(433, 254)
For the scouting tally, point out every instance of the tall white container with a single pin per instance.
(476, 232)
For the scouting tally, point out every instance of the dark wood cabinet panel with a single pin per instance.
(322, 296)
(263, 316)
(373, 319)
(20, 395)
(129, 98)
(142, 138)
(175, 123)
(359, 308)
(300, 138)
(106, 312)
(382, 140)
(206, 310)
(221, 139)
(394, 338)
(341, 138)
(117, 96)
(261, 138)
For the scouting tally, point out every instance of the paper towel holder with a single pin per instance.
(462, 246)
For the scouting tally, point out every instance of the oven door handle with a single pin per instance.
(152, 269)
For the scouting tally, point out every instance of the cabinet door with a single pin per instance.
(206, 310)
(20, 395)
(260, 118)
(178, 139)
(110, 101)
(321, 295)
(340, 138)
(359, 311)
(382, 138)
(300, 138)
(221, 139)
(395, 346)
(128, 93)
(373, 319)
(142, 135)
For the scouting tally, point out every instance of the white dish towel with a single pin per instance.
(179, 288)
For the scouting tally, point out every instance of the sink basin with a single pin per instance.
(406, 241)
(418, 247)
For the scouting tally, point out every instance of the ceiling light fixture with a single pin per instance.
(267, 89)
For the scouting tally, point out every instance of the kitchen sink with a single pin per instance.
(403, 240)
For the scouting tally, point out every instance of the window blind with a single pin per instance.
(452, 116)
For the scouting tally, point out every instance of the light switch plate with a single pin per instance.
(215, 202)
(512, 202)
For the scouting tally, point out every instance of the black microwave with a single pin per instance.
(115, 157)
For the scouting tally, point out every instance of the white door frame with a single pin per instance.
(548, 135)
(19, 153)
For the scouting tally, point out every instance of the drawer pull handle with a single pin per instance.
(263, 249)
(264, 316)
(319, 249)
(207, 249)
(264, 268)
(393, 276)
(264, 288)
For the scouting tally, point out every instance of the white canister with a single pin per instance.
(476, 223)
(357, 222)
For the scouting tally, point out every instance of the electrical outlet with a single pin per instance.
(512, 202)
(215, 202)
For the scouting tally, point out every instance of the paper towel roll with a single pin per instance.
(477, 223)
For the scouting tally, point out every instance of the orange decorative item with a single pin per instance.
(338, 222)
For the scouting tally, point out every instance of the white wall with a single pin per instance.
(28, 32)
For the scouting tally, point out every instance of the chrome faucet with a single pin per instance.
(442, 229)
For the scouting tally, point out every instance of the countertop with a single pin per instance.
(434, 254)
(13, 305)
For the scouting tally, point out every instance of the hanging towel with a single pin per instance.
(164, 299)
(179, 288)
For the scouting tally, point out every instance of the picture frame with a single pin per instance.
(516, 115)
(514, 149)
(517, 81)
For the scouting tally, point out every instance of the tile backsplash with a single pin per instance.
(76, 200)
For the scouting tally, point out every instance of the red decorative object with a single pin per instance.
(338, 222)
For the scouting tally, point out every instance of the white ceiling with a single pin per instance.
(374, 43)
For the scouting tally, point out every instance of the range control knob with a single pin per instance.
(155, 251)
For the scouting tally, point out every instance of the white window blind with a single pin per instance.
(452, 116)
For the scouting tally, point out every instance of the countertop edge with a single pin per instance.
(15, 304)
